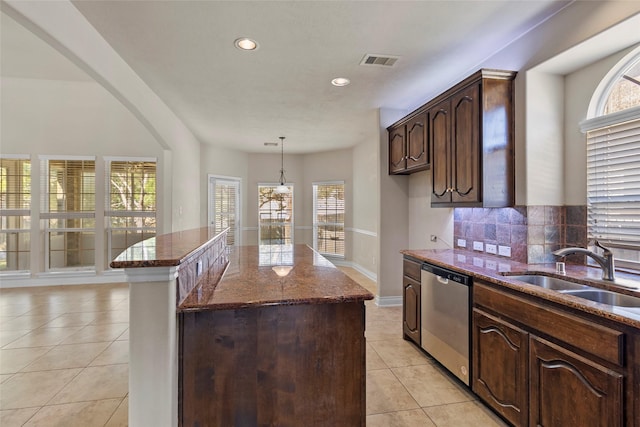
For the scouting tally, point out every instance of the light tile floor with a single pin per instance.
(64, 362)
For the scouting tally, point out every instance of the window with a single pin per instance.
(131, 203)
(275, 216)
(69, 202)
(328, 218)
(15, 213)
(613, 167)
(224, 206)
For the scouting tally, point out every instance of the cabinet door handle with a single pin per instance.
(415, 159)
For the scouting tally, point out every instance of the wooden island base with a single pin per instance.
(284, 365)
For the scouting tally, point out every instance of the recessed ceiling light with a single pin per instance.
(340, 81)
(245, 43)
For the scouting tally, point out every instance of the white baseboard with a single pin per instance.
(369, 274)
(388, 301)
(57, 279)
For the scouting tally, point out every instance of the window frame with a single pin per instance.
(317, 224)
(598, 122)
(146, 231)
(284, 223)
(46, 214)
(237, 182)
(6, 213)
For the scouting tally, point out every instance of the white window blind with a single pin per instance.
(613, 189)
(328, 218)
(225, 207)
(68, 211)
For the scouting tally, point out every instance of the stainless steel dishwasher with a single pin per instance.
(445, 318)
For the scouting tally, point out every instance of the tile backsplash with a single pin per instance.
(532, 232)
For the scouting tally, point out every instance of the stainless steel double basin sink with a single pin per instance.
(590, 293)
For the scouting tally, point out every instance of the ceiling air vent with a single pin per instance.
(379, 60)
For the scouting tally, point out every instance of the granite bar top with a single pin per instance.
(166, 250)
(497, 270)
(250, 280)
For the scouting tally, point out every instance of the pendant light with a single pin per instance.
(282, 188)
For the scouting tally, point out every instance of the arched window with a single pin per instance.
(613, 162)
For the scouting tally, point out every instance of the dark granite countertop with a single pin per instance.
(166, 250)
(251, 281)
(496, 270)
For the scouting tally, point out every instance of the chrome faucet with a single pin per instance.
(605, 261)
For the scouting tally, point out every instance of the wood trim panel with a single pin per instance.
(412, 269)
(285, 365)
(598, 340)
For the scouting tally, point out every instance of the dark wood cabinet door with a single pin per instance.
(500, 368)
(465, 146)
(440, 138)
(411, 309)
(397, 150)
(417, 143)
(568, 390)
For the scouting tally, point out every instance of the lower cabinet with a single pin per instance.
(411, 271)
(411, 309)
(500, 356)
(569, 390)
(542, 366)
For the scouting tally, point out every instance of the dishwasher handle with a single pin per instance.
(442, 280)
(446, 274)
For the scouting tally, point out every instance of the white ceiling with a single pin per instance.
(184, 51)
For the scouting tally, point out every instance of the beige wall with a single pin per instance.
(327, 166)
(544, 151)
(427, 221)
(393, 222)
(300, 170)
(366, 202)
(223, 162)
(72, 118)
(65, 29)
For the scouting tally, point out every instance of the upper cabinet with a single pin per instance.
(408, 146)
(469, 132)
(455, 138)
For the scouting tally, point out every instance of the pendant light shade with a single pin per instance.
(282, 188)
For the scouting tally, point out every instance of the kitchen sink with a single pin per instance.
(577, 290)
(549, 282)
(604, 297)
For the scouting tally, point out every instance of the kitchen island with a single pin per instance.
(256, 335)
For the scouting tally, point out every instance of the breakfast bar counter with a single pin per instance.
(253, 335)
